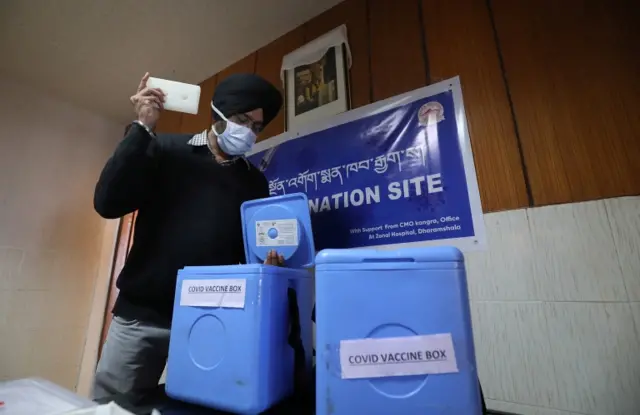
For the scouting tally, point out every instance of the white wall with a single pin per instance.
(50, 238)
(556, 309)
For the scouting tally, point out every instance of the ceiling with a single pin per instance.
(93, 53)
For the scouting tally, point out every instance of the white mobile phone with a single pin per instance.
(179, 97)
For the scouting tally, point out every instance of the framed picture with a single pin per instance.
(316, 80)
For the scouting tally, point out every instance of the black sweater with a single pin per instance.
(188, 214)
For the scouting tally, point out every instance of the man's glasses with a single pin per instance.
(247, 121)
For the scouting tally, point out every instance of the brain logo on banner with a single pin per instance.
(430, 113)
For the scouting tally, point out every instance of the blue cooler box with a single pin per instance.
(393, 333)
(229, 338)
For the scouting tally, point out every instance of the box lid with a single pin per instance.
(227, 271)
(281, 223)
(425, 254)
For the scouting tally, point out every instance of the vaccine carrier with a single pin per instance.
(239, 332)
(393, 333)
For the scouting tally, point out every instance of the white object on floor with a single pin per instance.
(109, 409)
(180, 97)
(38, 396)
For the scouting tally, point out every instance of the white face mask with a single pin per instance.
(236, 139)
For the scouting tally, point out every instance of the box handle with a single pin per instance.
(389, 259)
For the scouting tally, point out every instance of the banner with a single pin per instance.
(399, 171)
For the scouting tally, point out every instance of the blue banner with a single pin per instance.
(395, 176)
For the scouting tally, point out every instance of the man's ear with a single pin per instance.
(219, 126)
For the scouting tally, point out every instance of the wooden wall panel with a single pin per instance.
(202, 120)
(268, 64)
(469, 50)
(552, 106)
(572, 68)
(244, 65)
(397, 53)
(352, 13)
(169, 122)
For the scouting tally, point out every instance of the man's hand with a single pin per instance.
(274, 259)
(147, 103)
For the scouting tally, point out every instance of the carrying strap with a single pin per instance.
(295, 341)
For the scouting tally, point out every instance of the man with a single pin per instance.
(187, 190)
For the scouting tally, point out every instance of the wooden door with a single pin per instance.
(125, 240)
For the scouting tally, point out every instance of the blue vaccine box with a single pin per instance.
(229, 346)
(393, 333)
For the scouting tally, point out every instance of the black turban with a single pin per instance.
(244, 92)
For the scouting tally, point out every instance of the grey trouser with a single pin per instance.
(133, 358)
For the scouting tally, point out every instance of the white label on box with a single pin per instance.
(283, 232)
(213, 293)
(397, 356)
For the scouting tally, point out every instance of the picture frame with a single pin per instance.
(316, 80)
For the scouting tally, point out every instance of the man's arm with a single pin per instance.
(126, 179)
